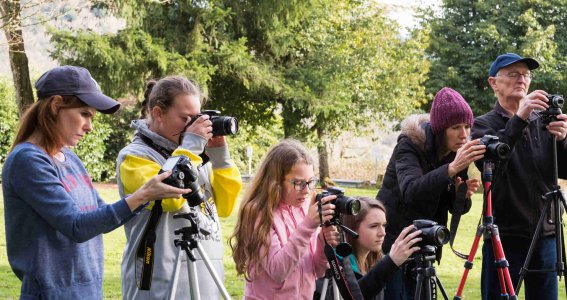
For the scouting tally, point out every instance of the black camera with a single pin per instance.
(222, 125)
(184, 175)
(555, 104)
(432, 234)
(343, 204)
(494, 149)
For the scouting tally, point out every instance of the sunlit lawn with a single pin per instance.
(450, 270)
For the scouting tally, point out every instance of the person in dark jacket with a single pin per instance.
(427, 168)
(371, 268)
(525, 176)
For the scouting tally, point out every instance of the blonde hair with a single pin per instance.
(353, 222)
(255, 217)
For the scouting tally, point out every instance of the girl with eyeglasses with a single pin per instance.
(277, 242)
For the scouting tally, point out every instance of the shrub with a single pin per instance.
(8, 118)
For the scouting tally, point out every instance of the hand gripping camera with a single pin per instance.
(432, 234)
(495, 149)
(222, 125)
(184, 175)
(555, 104)
(343, 204)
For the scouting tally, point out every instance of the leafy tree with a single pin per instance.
(466, 36)
(10, 15)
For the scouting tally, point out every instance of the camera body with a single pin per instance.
(495, 149)
(432, 234)
(555, 104)
(343, 204)
(222, 125)
(184, 175)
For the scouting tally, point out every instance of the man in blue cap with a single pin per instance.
(527, 175)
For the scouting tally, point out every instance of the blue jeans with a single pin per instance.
(535, 285)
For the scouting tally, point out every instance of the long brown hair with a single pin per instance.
(42, 116)
(255, 217)
(162, 93)
(353, 222)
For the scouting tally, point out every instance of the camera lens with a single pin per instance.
(501, 150)
(224, 126)
(347, 205)
(441, 235)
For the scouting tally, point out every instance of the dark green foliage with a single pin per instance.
(8, 119)
(468, 35)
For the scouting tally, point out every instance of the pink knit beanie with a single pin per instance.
(449, 108)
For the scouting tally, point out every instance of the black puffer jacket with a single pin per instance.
(416, 184)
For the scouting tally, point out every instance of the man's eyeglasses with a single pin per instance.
(516, 75)
(299, 185)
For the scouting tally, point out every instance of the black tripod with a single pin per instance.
(186, 244)
(553, 200)
(427, 280)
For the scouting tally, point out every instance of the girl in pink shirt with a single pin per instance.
(277, 242)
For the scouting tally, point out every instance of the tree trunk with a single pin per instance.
(17, 54)
(323, 158)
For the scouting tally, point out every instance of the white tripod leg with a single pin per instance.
(213, 272)
(175, 276)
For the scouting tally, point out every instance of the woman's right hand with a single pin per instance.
(468, 153)
(154, 189)
(403, 247)
(201, 126)
(327, 209)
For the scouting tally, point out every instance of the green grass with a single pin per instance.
(449, 272)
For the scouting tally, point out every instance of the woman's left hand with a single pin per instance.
(217, 141)
(331, 234)
(472, 185)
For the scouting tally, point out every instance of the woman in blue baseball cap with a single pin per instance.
(54, 217)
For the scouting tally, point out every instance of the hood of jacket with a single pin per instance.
(414, 127)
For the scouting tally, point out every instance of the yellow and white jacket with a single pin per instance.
(220, 182)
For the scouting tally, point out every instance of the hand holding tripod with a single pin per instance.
(489, 229)
(186, 244)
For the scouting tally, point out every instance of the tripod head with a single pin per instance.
(188, 233)
(424, 256)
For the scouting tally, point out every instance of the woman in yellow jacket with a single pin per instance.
(148, 263)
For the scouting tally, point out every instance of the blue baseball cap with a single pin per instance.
(76, 81)
(507, 59)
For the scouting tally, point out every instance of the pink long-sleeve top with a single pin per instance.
(295, 258)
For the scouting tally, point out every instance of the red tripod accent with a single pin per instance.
(489, 228)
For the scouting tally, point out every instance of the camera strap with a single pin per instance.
(459, 206)
(335, 265)
(145, 253)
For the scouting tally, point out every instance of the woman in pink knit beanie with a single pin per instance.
(427, 175)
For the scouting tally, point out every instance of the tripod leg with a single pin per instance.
(336, 292)
(324, 289)
(193, 279)
(213, 272)
(469, 262)
(418, 285)
(441, 288)
(506, 286)
(175, 276)
(531, 250)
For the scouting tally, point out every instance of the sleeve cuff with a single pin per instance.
(220, 157)
(193, 142)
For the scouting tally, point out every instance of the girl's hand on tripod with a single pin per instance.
(472, 185)
(331, 234)
(403, 247)
(558, 128)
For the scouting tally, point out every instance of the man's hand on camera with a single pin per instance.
(202, 126)
(404, 246)
(558, 128)
(535, 100)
